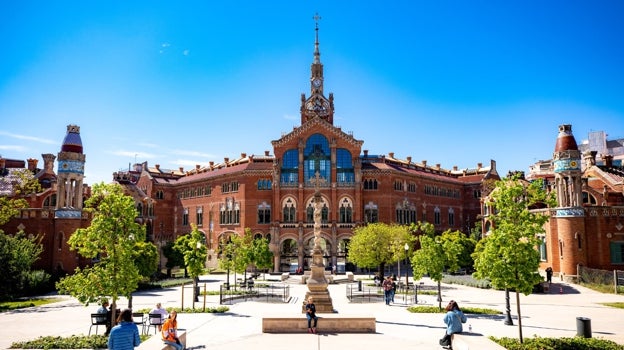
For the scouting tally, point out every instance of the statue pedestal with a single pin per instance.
(317, 284)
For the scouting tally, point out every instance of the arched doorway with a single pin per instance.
(289, 256)
(326, 248)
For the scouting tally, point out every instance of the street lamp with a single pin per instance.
(406, 270)
(196, 279)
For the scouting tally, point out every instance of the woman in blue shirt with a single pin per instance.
(453, 319)
(125, 335)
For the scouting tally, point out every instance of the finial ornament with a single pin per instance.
(316, 19)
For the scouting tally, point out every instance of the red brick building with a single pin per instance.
(269, 193)
(587, 227)
(56, 212)
(272, 193)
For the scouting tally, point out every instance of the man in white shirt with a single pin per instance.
(163, 315)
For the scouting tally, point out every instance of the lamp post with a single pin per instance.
(406, 270)
(196, 278)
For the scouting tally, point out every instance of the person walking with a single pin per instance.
(549, 273)
(170, 331)
(310, 309)
(125, 335)
(387, 287)
(453, 319)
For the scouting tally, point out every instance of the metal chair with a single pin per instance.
(97, 320)
(154, 320)
(139, 319)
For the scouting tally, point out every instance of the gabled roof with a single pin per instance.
(313, 123)
(612, 177)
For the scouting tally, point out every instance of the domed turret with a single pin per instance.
(565, 139)
(72, 141)
(70, 177)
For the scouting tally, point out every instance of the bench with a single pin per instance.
(332, 323)
(155, 342)
(473, 341)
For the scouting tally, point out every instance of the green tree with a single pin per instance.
(21, 183)
(378, 244)
(229, 248)
(146, 258)
(193, 248)
(111, 240)
(464, 259)
(508, 256)
(436, 253)
(18, 253)
(261, 255)
(252, 251)
(174, 257)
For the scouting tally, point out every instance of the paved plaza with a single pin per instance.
(549, 315)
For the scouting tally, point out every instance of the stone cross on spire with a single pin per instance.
(317, 53)
(317, 181)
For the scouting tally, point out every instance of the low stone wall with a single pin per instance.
(474, 341)
(155, 342)
(327, 323)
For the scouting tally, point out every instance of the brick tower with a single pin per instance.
(569, 214)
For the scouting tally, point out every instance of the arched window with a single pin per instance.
(264, 213)
(405, 213)
(589, 199)
(310, 212)
(344, 166)
(289, 211)
(316, 158)
(346, 211)
(370, 184)
(437, 220)
(451, 217)
(290, 167)
(50, 202)
(371, 213)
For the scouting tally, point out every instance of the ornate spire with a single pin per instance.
(317, 53)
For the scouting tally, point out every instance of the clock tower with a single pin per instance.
(317, 105)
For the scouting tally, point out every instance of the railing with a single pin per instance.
(359, 292)
(260, 291)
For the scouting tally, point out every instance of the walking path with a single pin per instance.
(548, 315)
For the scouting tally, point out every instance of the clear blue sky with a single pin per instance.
(180, 83)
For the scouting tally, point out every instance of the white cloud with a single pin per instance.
(13, 148)
(164, 47)
(146, 144)
(187, 162)
(28, 138)
(131, 154)
(180, 152)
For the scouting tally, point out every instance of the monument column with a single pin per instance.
(317, 284)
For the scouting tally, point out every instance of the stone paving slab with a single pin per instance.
(549, 315)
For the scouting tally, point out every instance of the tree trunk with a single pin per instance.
(440, 295)
(519, 315)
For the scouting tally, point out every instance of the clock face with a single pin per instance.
(316, 82)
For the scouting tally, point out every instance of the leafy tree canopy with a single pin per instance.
(377, 244)
(110, 240)
(508, 255)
